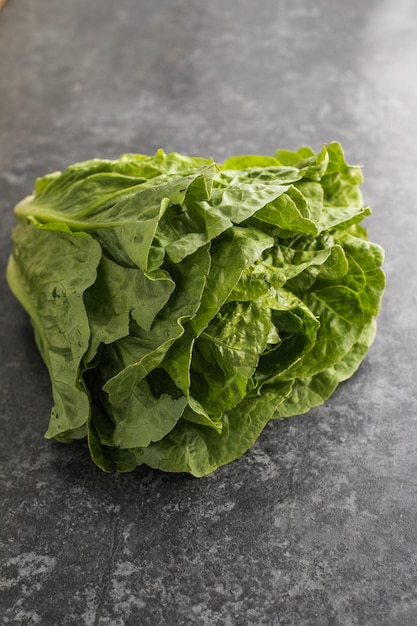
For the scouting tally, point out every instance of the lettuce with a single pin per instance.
(179, 304)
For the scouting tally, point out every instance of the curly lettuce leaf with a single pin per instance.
(180, 304)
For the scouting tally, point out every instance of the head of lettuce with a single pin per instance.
(179, 304)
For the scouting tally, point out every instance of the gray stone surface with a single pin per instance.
(316, 525)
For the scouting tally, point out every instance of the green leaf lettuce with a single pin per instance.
(180, 304)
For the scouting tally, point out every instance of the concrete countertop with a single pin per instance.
(316, 525)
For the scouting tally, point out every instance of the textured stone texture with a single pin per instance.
(316, 525)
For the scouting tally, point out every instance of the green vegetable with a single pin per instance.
(179, 305)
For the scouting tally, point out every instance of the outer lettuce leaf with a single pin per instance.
(200, 450)
(312, 391)
(180, 304)
(344, 306)
(49, 273)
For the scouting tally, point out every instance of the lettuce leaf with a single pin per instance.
(180, 304)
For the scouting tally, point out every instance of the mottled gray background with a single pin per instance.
(316, 525)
